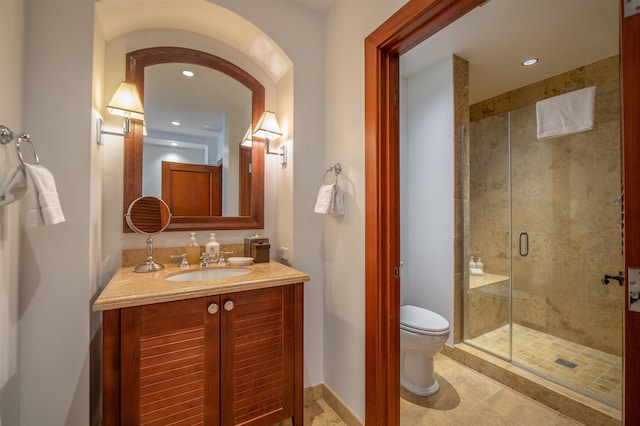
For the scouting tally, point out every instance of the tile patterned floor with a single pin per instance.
(590, 370)
(317, 413)
(465, 398)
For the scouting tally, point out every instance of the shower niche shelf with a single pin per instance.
(476, 281)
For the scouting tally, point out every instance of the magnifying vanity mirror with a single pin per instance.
(148, 216)
(189, 150)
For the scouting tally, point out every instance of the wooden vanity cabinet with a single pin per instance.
(230, 359)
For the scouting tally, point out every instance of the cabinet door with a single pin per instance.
(170, 363)
(257, 365)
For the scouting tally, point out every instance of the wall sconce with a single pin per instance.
(247, 141)
(268, 129)
(125, 103)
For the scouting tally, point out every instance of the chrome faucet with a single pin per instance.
(183, 263)
(205, 259)
(221, 259)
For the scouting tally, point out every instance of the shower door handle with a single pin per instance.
(523, 235)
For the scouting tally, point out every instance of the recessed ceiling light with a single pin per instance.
(529, 62)
(175, 123)
(187, 73)
(174, 144)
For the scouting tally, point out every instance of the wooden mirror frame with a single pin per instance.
(132, 180)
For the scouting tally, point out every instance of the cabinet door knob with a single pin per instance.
(213, 308)
(228, 305)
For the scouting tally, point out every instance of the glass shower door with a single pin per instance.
(487, 306)
(545, 218)
(566, 325)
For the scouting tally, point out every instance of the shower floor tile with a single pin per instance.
(597, 373)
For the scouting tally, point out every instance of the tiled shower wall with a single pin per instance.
(563, 196)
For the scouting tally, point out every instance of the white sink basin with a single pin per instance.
(208, 274)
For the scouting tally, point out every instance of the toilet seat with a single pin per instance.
(422, 321)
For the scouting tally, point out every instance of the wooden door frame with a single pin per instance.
(630, 111)
(413, 23)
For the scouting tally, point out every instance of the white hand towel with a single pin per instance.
(43, 203)
(338, 201)
(14, 187)
(324, 201)
(330, 200)
(566, 114)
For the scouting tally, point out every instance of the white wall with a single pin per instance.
(97, 173)
(299, 32)
(427, 226)
(348, 24)
(57, 267)
(12, 47)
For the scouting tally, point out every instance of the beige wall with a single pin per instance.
(563, 192)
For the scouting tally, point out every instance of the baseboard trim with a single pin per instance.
(322, 391)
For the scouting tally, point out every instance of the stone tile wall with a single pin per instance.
(563, 193)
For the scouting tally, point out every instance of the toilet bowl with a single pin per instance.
(422, 335)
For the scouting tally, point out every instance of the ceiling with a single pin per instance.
(320, 6)
(496, 37)
(119, 18)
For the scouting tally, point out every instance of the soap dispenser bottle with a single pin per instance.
(192, 250)
(213, 247)
(479, 264)
(472, 263)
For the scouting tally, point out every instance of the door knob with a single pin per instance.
(212, 308)
(228, 305)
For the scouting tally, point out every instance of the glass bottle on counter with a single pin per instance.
(192, 250)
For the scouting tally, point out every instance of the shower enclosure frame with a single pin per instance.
(506, 183)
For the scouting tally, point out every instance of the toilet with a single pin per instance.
(422, 335)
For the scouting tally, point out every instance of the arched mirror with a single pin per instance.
(189, 151)
(148, 216)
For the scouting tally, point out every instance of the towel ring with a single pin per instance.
(336, 169)
(26, 138)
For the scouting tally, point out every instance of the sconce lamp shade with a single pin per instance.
(267, 127)
(246, 140)
(126, 102)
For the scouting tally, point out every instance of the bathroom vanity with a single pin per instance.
(225, 351)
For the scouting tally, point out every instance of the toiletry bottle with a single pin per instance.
(213, 247)
(479, 264)
(472, 264)
(192, 250)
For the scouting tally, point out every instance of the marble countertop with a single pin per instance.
(128, 288)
